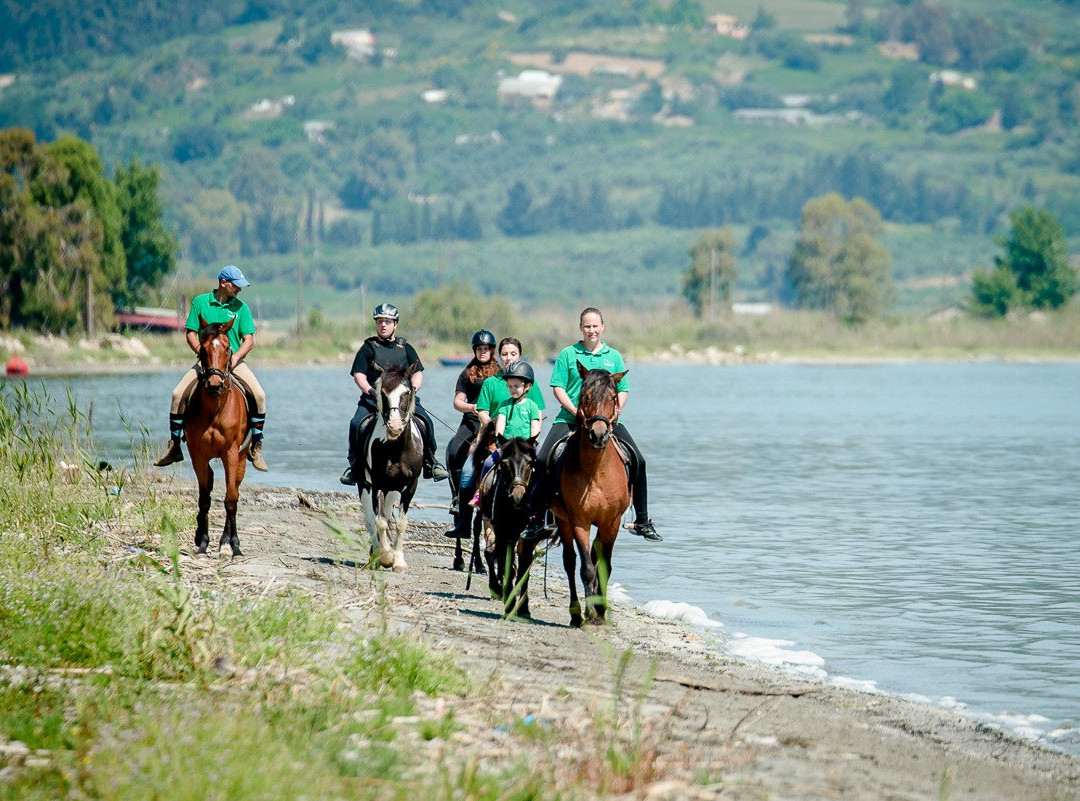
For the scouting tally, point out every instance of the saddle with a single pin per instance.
(555, 460)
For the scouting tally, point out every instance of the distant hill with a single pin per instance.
(577, 146)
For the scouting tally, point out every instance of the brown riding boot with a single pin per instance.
(173, 455)
(255, 456)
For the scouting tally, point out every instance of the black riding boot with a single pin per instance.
(462, 529)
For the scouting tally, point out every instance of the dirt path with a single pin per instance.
(689, 722)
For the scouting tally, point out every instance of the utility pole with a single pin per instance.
(299, 284)
(714, 257)
(89, 284)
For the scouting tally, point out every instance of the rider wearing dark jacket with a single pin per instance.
(375, 355)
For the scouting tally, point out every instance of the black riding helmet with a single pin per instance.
(522, 370)
(483, 337)
(386, 310)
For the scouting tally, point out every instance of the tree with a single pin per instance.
(838, 264)
(517, 217)
(709, 278)
(1033, 272)
(149, 248)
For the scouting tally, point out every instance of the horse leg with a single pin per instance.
(603, 546)
(492, 556)
(477, 558)
(205, 475)
(459, 555)
(400, 520)
(509, 578)
(525, 559)
(234, 474)
(569, 560)
(589, 583)
(370, 521)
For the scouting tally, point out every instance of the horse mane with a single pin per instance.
(211, 330)
(392, 376)
(596, 382)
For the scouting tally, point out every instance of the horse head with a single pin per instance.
(598, 404)
(215, 356)
(515, 467)
(395, 398)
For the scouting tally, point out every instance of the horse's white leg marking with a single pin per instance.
(369, 518)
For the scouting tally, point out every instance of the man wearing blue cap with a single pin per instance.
(220, 306)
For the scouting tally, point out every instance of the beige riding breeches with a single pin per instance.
(242, 373)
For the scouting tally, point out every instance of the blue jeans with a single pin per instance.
(468, 473)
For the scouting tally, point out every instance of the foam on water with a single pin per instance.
(1062, 735)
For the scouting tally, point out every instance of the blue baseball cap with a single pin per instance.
(230, 272)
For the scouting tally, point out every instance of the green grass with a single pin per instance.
(124, 681)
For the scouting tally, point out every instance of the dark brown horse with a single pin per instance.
(216, 427)
(392, 462)
(505, 514)
(594, 492)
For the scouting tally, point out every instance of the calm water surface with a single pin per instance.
(914, 526)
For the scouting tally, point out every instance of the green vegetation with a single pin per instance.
(1033, 273)
(839, 263)
(118, 677)
(73, 243)
(946, 117)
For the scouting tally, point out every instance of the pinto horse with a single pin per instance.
(506, 514)
(216, 427)
(594, 491)
(393, 458)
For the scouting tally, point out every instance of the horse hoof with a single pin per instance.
(575, 621)
(480, 570)
(400, 567)
(202, 549)
(459, 565)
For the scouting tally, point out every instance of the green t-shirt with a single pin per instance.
(493, 392)
(212, 311)
(565, 373)
(519, 416)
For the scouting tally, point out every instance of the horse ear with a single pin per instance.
(378, 369)
(619, 376)
(500, 440)
(225, 328)
(534, 440)
(582, 370)
(202, 323)
(410, 370)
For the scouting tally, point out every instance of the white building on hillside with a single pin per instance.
(359, 43)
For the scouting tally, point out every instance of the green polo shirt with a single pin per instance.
(565, 373)
(519, 416)
(493, 392)
(213, 311)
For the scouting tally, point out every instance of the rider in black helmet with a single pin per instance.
(376, 354)
(480, 368)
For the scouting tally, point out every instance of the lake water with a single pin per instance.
(910, 529)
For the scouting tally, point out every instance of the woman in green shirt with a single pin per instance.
(593, 353)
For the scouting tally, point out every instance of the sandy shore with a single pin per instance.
(695, 723)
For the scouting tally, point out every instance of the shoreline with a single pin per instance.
(766, 731)
(706, 357)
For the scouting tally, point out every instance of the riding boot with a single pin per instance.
(176, 432)
(432, 468)
(462, 524)
(347, 478)
(255, 454)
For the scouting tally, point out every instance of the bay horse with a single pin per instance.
(216, 427)
(594, 492)
(393, 459)
(505, 514)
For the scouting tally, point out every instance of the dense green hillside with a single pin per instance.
(269, 135)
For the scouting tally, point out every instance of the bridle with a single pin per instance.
(206, 373)
(609, 423)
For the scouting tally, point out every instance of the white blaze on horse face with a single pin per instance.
(395, 422)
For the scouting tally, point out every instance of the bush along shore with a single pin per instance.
(132, 669)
